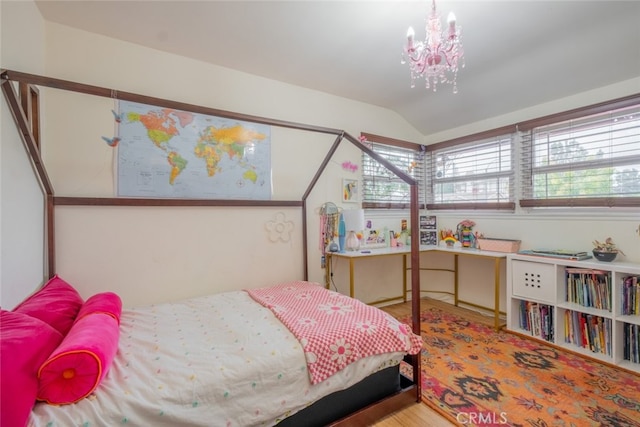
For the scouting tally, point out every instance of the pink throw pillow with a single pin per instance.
(56, 303)
(25, 342)
(81, 361)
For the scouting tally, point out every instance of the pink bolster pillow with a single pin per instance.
(81, 361)
(105, 303)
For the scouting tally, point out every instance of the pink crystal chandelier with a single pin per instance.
(436, 59)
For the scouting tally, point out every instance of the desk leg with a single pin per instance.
(404, 278)
(455, 280)
(351, 279)
(496, 285)
(327, 271)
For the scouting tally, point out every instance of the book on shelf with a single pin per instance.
(588, 331)
(631, 341)
(588, 287)
(631, 295)
(537, 319)
(557, 253)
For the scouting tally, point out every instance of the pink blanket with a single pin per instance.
(333, 329)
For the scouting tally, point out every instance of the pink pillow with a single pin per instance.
(25, 342)
(106, 303)
(81, 361)
(56, 303)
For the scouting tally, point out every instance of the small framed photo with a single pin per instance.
(350, 190)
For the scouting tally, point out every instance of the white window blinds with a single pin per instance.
(590, 160)
(476, 174)
(383, 189)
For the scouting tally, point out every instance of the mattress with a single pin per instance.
(218, 360)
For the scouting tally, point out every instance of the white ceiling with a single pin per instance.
(517, 53)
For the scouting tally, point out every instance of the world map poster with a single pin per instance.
(167, 153)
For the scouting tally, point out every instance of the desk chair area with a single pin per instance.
(403, 252)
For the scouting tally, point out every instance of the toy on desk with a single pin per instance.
(393, 239)
(464, 233)
(448, 239)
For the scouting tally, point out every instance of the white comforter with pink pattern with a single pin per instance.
(333, 329)
(216, 360)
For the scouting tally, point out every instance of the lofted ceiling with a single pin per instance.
(518, 53)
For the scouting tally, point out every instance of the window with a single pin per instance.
(382, 188)
(585, 157)
(474, 172)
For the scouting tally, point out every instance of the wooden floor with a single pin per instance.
(420, 414)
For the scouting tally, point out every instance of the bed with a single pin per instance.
(169, 379)
(230, 359)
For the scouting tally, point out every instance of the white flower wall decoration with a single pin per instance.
(279, 229)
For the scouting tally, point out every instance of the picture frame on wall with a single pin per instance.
(350, 190)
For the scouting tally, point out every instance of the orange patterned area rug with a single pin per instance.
(478, 377)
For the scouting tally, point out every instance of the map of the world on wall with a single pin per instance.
(167, 153)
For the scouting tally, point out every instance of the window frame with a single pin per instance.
(371, 140)
(469, 140)
(526, 167)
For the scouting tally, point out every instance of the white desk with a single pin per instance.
(403, 251)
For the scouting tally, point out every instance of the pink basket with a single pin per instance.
(498, 245)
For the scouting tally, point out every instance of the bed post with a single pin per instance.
(415, 285)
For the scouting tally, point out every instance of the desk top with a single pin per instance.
(403, 250)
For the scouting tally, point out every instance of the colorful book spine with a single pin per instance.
(588, 331)
(537, 319)
(589, 288)
(631, 296)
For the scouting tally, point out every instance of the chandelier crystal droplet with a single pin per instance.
(437, 58)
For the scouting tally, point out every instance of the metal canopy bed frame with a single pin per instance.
(24, 107)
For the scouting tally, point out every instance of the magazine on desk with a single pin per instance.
(557, 253)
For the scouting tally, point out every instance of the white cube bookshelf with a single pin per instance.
(539, 285)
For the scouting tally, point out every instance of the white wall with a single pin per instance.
(21, 202)
(157, 254)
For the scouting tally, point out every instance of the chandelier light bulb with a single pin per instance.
(410, 35)
(437, 57)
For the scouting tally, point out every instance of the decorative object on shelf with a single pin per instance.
(448, 239)
(436, 59)
(350, 190)
(354, 224)
(605, 251)
(464, 233)
(604, 256)
(374, 237)
(497, 245)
